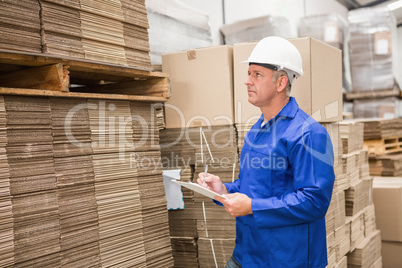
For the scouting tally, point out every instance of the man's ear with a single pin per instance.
(282, 83)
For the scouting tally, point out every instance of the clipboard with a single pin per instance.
(199, 189)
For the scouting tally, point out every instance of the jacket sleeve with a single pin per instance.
(311, 159)
(232, 187)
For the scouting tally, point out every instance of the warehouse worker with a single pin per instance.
(286, 173)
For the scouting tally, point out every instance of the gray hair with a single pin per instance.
(281, 73)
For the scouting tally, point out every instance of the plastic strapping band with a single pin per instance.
(213, 253)
(205, 218)
(202, 154)
(206, 233)
(233, 172)
(209, 150)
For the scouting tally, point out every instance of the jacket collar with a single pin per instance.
(289, 111)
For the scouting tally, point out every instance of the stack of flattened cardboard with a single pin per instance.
(215, 252)
(352, 135)
(216, 233)
(386, 165)
(338, 230)
(104, 31)
(367, 253)
(352, 144)
(380, 107)
(356, 229)
(145, 128)
(201, 218)
(135, 32)
(70, 128)
(342, 263)
(369, 219)
(214, 225)
(183, 224)
(358, 196)
(119, 208)
(177, 153)
(69, 191)
(178, 147)
(150, 183)
(334, 132)
(336, 213)
(20, 25)
(342, 181)
(6, 214)
(381, 128)
(350, 219)
(330, 220)
(330, 28)
(79, 228)
(32, 181)
(61, 28)
(115, 32)
(116, 188)
(382, 139)
(255, 29)
(215, 222)
(102, 37)
(331, 248)
(363, 164)
(342, 241)
(185, 251)
(187, 146)
(221, 144)
(160, 116)
(350, 166)
(372, 49)
(171, 21)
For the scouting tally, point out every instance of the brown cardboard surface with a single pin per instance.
(201, 87)
(391, 254)
(387, 197)
(318, 92)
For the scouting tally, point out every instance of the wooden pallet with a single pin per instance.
(383, 146)
(396, 92)
(46, 75)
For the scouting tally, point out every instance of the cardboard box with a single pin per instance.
(391, 254)
(201, 82)
(318, 92)
(387, 197)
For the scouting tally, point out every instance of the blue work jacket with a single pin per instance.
(286, 168)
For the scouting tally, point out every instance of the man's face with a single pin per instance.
(260, 87)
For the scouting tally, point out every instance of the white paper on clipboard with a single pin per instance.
(198, 188)
(174, 195)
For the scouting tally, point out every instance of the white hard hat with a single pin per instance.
(275, 51)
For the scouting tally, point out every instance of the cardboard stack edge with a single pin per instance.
(67, 28)
(92, 203)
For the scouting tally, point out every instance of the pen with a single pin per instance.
(205, 174)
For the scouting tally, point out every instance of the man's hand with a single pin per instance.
(237, 204)
(212, 183)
